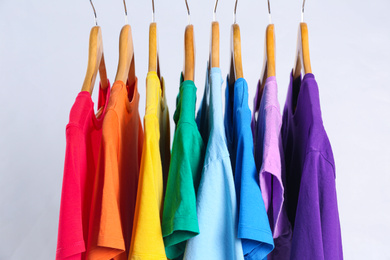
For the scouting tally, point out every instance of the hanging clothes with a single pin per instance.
(270, 164)
(180, 221)
(253, 226)
(83, 137)
(310, 175)
(117, 176)
(216, 197)
(147, 240)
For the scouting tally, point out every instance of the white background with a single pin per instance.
(43, 59)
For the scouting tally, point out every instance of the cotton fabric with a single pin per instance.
(269, 159)
(83, 137)
(216, 197)
(147, 239)
(117, 176)
(180, 221)
(310, 175)
(253, 226)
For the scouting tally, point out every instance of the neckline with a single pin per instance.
(187, 88)
(98, 121)
(260, 93)
(133, 90)
(187, 83)
(215, 99)
(161, 89)
(160, 81)
(302, 87)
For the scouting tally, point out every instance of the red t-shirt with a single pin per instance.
(83, 138)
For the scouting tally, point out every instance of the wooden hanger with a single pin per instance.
(95, 62)
(126, 63)
(189, 53)
(126, 68)
(153, 60)
(269, 67)
(154, 64)
(214, 45)
(189, 50)
(236, 70)
(302, 58)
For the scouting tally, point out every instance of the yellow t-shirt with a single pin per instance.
(147, 240)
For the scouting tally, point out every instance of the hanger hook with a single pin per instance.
(215, 10)
(269, 12)
(188, 12)
(235, 11)
(153, 14)
(94, 11)
(303, 10)
(126, 20)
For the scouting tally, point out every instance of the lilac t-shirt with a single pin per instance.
(270, 164)
(311, 199)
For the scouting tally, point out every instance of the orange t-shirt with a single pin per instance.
(117, 178)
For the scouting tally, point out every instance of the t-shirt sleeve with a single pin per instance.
(256, 235)
(70, 243)
(217, 215)
(271, 166)
(107, 240)
(180, 221)
(317, 232)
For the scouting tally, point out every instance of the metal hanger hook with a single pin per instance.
(94, 11)
(303, 10)
(153, 14)
(124, 4)
(215, 10)
(235, 11)
(188, 12)
(269, 12)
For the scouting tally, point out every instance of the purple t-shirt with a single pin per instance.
(270, 164)
(311, 199)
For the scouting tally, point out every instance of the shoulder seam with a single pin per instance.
(73, 124)
(219, 158)
(192, 124)
(272, 106)
(326, 159)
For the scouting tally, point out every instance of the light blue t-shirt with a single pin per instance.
(253, 225)
(216, 197)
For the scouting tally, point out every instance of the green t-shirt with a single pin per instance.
(180, 221)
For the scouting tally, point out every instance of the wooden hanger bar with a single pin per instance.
(236, 52)
(189, 53)
(269, 67)
(126, 68)
(270, 45)
(95, 62)
(214, 52)
(153, 47)
(302, 59)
